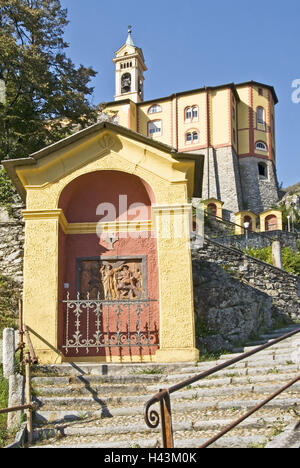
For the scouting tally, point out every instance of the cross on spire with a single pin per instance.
(129, 38)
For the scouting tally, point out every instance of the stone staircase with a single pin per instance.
(101, 406)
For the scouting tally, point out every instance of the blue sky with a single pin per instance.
(189, 44)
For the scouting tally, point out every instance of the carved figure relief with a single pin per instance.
(112, 279)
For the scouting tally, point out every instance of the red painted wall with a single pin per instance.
(80, 199)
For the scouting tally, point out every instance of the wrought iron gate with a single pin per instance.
(94, 324)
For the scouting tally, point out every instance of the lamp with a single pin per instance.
(246, 226)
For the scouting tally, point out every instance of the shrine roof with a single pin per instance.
(12, 165)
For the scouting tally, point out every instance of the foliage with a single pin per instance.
(294, 216)
(3, 404)
(7, 190)
(290, 259)
(46, 94)
(9, 296)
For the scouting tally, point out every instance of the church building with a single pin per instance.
(230, 128)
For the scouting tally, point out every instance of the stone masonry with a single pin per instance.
(278, 285)
(259, 193)
(12, 244)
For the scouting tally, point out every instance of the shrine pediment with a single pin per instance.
(103, 146)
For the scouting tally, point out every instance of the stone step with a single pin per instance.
(260, 362)
(94, 379)
(273, 376)
(61, 416)
(268, 354)
(226, 442)
(193, 394)
(110, 369)
(196, 426)
(70, 390)
(242, 372)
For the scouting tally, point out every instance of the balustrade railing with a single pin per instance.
(94, 324)
(164, 417)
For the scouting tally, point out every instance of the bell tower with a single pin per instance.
(130, 68)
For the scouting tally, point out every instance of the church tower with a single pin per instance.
(130, 68)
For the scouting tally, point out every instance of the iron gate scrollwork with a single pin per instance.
(94, 324)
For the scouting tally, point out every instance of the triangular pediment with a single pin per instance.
(107, 145)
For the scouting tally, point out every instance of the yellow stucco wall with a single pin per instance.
(44, 184)
(239, 221)
(199, 124)
(220, 117)
(265, 214)
(220, 114)
(243, 120)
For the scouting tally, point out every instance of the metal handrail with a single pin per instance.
(249, 413)
(231, 223)
(30, 358)
(152, 418)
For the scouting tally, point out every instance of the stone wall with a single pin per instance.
(12, 244)
(264, 280)
(259, 241)
(259, 193)
(228, 312)
(221, 179)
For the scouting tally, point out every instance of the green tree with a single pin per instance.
(46, 95)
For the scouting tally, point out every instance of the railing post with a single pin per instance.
(28, 396)
(166, 421)
(21, 331)
(276, 254)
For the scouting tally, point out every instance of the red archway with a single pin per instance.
(212, 209)
(118, 275)
(248, 219)
(271, 223)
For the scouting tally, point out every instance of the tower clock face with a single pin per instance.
(126, 83)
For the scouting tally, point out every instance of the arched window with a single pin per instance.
(192, 137)
(271, 223)
(195, 137)
(154, 109)
(212, 209)
(191, 113)
(126, 83)
(154, 128)
(188, 113)
(261, 146)
(260, 116)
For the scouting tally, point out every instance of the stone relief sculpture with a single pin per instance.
(121, 282)
(111, 280)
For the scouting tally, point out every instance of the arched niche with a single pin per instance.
(86, 197)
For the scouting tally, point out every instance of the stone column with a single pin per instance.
(16, 398)
(8, 352)
(177, 326)
(276, 254)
